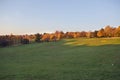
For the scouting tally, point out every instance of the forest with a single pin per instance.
(107, 31)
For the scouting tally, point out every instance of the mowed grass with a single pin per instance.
(93, 41)
(69, 59)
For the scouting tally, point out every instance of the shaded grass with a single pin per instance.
(56, 61)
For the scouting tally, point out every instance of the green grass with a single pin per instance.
(69, 59)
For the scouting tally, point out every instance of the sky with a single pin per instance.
(39, 16)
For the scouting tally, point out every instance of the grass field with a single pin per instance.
(69, 59)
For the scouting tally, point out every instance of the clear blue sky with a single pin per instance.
(33, 16)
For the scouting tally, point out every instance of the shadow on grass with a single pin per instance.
(87, 45)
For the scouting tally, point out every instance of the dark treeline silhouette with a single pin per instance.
(7, 40)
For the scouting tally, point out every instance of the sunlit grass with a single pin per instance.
(92, 41)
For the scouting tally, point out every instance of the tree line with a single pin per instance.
(7, 40)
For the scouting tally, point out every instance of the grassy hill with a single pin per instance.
(69, 59)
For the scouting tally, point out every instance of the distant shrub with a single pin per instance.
(37, 37)
(4, 43)
(25, 41)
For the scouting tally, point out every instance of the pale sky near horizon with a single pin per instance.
(39, 16)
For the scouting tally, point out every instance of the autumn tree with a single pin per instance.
(69, 34)
(90, 34)
(32, 37)
(101, 33)
(52, 37)
(46, 37)
(59, 34)
(83, 34)
(108, 31)
(95, 33)
(76, 34)
(117, 32)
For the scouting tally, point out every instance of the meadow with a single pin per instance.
(68, 59)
